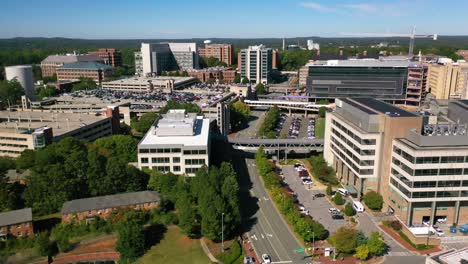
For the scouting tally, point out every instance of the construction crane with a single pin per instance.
(412, 37)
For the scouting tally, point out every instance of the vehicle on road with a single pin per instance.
(442, 220)
(358, 206)
(247, 260)
(319, 195)
(306, 181)
(439, 232)
(333, 210)
(337, 216)
(343, 191)
(266, 259)
(302, 209)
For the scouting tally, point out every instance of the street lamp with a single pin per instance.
(222, 232)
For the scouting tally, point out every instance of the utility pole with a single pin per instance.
(222, 232)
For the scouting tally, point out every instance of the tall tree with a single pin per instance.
(131, 242)
(10, 92)
(188, 218)
(240, 113)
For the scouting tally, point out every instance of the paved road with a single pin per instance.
(254, 124)
(318, 208)
(270, 233)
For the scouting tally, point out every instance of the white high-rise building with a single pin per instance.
(24, 75)
(159, 57)
(312, 46)
(256, 63)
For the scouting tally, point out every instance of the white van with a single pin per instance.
(358, 206)
(343, 191)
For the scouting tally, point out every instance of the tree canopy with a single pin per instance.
(260, 89)
(47, 91)
(207, 62)
(84, 84)
(10, 92)
(191, 108)
(143, 123)
(240, 113)
(373, 200)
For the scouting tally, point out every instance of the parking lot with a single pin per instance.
(296, 127)
(318, 207)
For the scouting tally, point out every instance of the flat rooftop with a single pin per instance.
(25, 122)
(374, 106)
(361, 63)
(145, 80)
(199, 137)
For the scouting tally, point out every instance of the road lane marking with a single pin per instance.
(279, 262)
(263, 237)
(255, 237)
(270, 235)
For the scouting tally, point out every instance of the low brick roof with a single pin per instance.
(110, 201)
(89, 65)
(16, 217)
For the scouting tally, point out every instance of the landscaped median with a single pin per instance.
(304, 226)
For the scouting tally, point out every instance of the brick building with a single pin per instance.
(111, 57)
(74, 71)
(17, 223)
(50, 64)
(223, 52)
(221, 74)
(102, 206)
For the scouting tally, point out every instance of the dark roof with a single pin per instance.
(85, 65)
(371, 105)
(16, 217)
(329, 57)
(110, 201)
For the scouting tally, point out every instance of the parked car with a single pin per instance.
(266, 259)
(306, 181)
(333, 210)
(337, 216)
(319, 195)
(247, 260)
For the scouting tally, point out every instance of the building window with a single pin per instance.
(176, 168)
(176, 160)
(144, 160)
(163, 168)
(191, 170)
(160, 160)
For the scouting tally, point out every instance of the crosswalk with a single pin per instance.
(399, 254)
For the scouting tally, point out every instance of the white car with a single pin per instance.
(442, 220)
(307, 182)
(333, 210)
(266, 259)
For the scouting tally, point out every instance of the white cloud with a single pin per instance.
(318, 7)
(361, 7)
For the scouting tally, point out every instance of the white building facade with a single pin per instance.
(256, 64)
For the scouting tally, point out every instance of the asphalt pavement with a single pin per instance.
(270, 233)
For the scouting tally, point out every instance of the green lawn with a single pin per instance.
(175, 248)
(320, 128)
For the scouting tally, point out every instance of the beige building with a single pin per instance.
(420, 170)
(448, 80)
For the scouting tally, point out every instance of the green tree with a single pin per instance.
(373, 200)
(188, 218)
(237, 78)
(345, 240)
(164, 183)
(260, 89)
(131, 241)
(322, 111)
(47, 91)
(207, 62)
(291, 60)
(49, 79)
(269, 123)
(349, 210)
(329, 190)
(338, 199)
(362, 252)
(376, 244)
(189, 107)
(245, 80)
(84, 84)
(122, 146)
(42, 244)
(144, 123)
(26, 160)
(240, 113)
(10, 92)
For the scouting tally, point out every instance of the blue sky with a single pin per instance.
(123, 19)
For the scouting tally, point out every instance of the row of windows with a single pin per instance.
(191, 170)
(354, 136)
(348, 161)
(163, 168)
(362, 152)
(161, 150)
(438, 194)
(429, 172)
(13, 138)
(194, 161)
(429, 184)
(430, 160)
(355, 158)
(195, 152)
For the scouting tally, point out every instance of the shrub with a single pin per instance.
(396, 225)
(42, 245)
(362, 252)
(329, 190)
(322, 171)
(338, 199)
(353, 220)
(231, 256)
(349, 210)
(373, 200)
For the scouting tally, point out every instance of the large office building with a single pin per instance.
(35, 129)
(386, 79)
(214, 74)
(155, 58)
(111, 57)
(178, 143)
(448, 79)
(256, 63)
(222, 52)
(50, 64)
(93, 70)
(418, 168)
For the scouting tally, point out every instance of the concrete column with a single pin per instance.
(457, 212)
(409, 214)
(433, 212)
(289, 111)
(305, 113)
